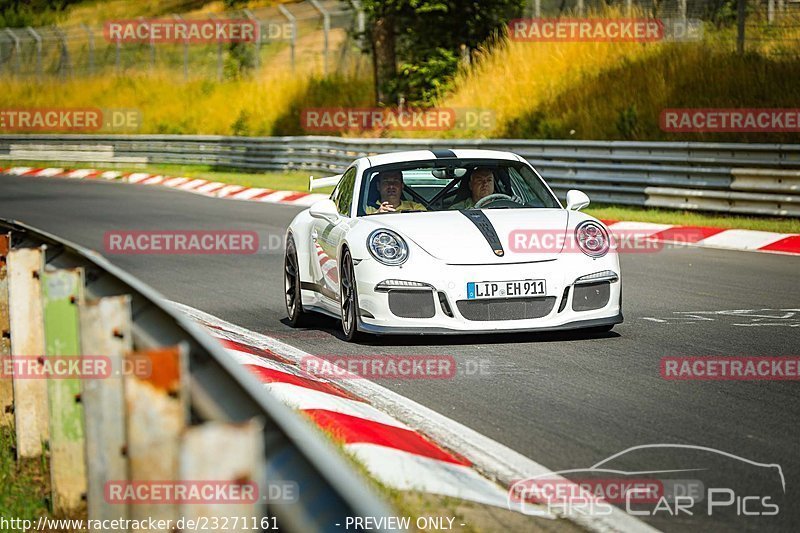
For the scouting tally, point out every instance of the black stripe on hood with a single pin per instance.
(484, 225)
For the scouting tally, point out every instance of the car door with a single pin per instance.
(327, 236)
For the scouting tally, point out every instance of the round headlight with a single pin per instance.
(592, 239)
(387, 247)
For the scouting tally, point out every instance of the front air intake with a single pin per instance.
(411, 303)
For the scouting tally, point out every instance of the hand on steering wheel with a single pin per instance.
(492, 197)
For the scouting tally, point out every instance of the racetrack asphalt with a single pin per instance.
(566, 400)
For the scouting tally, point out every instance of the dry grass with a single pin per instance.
(244, 107)
(618, 90)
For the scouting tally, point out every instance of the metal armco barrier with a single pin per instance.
(163, 402)
(727, 177)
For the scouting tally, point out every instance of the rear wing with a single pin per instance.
(321, 183)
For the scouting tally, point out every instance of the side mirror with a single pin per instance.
(577, 200)
(325, 210)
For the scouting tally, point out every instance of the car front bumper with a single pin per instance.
(377, 317)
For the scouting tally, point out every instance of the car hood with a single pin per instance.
(455, 239)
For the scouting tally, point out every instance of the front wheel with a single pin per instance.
(291, 285)
(348, 297)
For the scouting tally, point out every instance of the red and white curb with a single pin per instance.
(708, 237)
(699, 236)
(426, 451)
(213, 189)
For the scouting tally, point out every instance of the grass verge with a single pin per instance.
(294, 180)
(24, 486)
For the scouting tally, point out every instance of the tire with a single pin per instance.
(348, 297)
(291, 286)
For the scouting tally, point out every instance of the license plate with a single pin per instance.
(505, 289)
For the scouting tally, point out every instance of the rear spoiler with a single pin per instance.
(320, 183)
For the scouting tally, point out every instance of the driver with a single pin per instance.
(481, 185)
(390, 188)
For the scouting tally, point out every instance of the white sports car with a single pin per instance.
(462, 241)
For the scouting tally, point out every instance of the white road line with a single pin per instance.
(494, 460)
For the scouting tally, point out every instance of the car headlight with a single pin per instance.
(387, 247)
(592, 239)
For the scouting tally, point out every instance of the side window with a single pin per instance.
(344, 192)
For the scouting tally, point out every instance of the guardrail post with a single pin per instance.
(25, 267)
(65, 68)
(90, 42)
(326, 28)
(243, 464)
(185, 50)
(361, 20)
(157, 415)
(219, 52)
(257, 43)
(17, 50)
(63, 291)
(106, 329)
(38, 40)
(6, 384)
(293, 21)
(117, 54)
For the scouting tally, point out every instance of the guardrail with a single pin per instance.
(162, 402)
(727, 177)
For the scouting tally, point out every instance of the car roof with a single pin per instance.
(421, 155)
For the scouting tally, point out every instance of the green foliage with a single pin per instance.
(19, 13)
(428, 36)
(241, 126)
(628, 123)
(428, 78)
(240, 61)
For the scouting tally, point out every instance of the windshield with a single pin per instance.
(454, 184)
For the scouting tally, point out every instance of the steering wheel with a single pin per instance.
(491, 198)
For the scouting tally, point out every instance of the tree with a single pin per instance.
(416, 44)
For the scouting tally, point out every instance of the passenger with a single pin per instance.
(390, 188)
